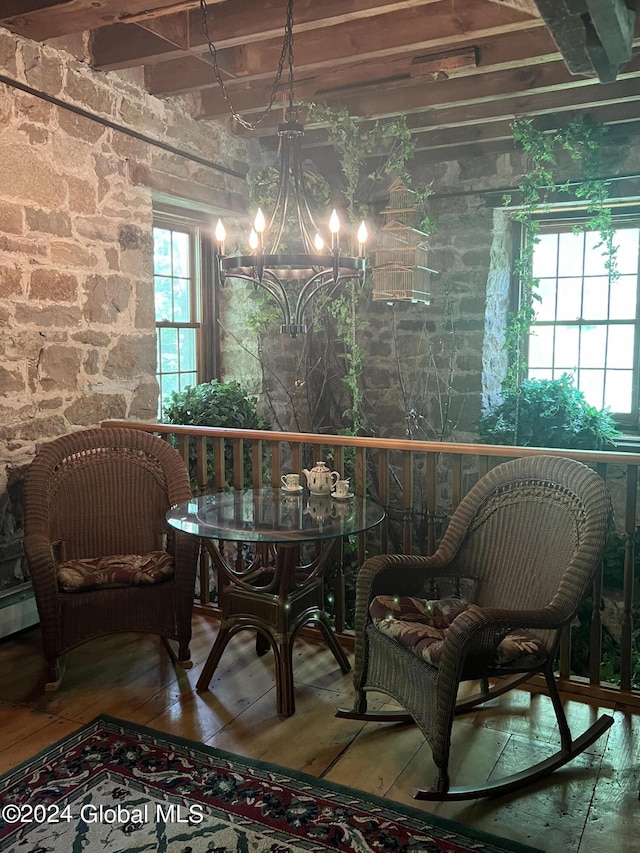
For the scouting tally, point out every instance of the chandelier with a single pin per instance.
(313, 260)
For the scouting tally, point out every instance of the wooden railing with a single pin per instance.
(419, 484)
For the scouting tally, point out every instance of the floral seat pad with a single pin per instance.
(422, 624)
(120, 570)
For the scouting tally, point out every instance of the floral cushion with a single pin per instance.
(121, 570)
(421, 624)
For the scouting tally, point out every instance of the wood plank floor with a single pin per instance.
(591, 806)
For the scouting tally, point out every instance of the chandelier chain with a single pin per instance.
(286, 54)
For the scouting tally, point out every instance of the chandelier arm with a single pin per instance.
(315, 284)
(302, 202)
(273, 285)
(279, 296)
(282, 199)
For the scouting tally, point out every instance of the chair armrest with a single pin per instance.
(483, 629)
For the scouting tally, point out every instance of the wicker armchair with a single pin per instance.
(522, 548)
(98, 498)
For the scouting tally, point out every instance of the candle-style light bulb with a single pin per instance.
(221, 235)
(318, 242)
(254, 242)
(362, 238)
(260, 223)
(334, 227)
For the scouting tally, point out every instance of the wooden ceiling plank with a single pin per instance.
(585, 96)
(45, 19)
(123, 43)
(329, 54)
(527, 6)
(499, 53)
(416, 30)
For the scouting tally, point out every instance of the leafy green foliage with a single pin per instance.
(547, 413)
(388, 143)
(216, 404)
(582, 138)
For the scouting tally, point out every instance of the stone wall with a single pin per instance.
(76, 253)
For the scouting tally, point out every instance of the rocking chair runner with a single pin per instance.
(526, 541)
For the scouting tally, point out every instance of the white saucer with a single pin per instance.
(342, 497)
(295, 491)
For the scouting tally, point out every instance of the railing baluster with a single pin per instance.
(431, 503)
(238, 464)
(219, 464)
(383, 496)
(626, 639)
(407, 501)
(276, 463)
(595, 634)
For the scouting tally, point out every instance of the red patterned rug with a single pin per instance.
(113, 786)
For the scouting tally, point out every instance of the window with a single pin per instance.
(587, 321)
(184, 305)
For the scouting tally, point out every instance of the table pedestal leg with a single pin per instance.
(276, 615)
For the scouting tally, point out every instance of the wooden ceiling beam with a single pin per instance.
(594, 36)
(516, 50)
(335, 52)
(371, 39)
(46, 19)
(236, 23)
(450, 125)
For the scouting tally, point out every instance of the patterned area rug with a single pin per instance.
(117, 787)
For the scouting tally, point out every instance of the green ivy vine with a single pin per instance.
(582, 138)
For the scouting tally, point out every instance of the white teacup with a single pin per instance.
(291, 482)
(341, 489)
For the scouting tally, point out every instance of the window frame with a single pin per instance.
(203, 286)
(564, 220)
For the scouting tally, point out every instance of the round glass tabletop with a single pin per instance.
(274, 515)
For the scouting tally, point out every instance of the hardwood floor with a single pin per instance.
(591, 806)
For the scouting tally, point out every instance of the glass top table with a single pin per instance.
(271, 591)
(274, 515)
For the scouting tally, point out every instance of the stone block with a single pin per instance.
(40, 184)
(81, 127)
(11, 381)
(51, 222)
(106, 298)
(72, 255)
(83, 196)
(49, 284)
(34, 110)
(8, 53)
(40, 70)
(47, 317)
(131, 357)
(22, 426)
(90, 409)
(59, 367)
(89, 93)
(144, 405)
(10, 281)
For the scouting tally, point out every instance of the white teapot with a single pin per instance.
(320, 479)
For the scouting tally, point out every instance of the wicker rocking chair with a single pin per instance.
(517, 559)
(102, 558)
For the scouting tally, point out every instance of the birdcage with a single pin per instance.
(401, 269)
